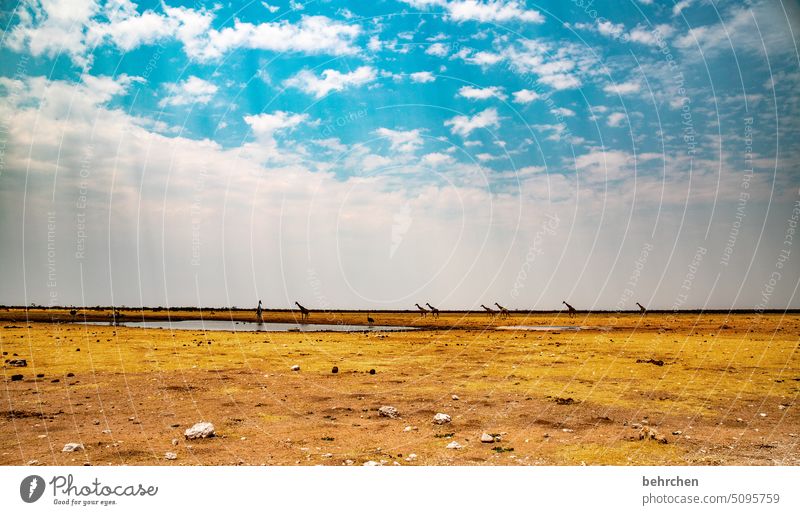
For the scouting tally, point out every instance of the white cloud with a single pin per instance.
(266, 125)
(464, 125)
(678, 8)
(422, 77)
(492, 11)
(474, 93)
(191, 91)
(438, 49)
(436, 158)
(75, 27)
(563, 112)
(525, 96)
(616, 119)
(484, 156)
(401, 141)
(622, 88)
(331, 80)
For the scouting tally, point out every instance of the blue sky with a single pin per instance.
(383, 153)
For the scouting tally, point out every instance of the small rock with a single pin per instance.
(96, 422)
(17, 377)
(739, 420)
(33, 462)
(636, 426)
(677, 433)
(454, 445)
(372, 371)
(567, 430)
(17, 363)
(408, 429)
(170, 456)
(335, 370)
(72, 447)
(348, 462)
(411, 457)
(175, 441)
(106, 431)
(441, 419)
(454, 397)
(327, 455)
(70, 374)
(487, 438)
(371, 463)
(388, 411)
(648, 433)
(762, 414)
(295, 368)
(199, 430)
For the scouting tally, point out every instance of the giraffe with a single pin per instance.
(642, 309)
(489, 311)
(370, 320)
(572, 310)
(503, 311)
(422, 310)
(434, 311)
(259, 313)
(303, 311)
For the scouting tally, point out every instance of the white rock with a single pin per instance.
(295, 368)
(175, 441)
(200, 430)
(72, 447)
(388, 411)
(762, 414)
(441, 418)
(33, 462)
(411, 457)
(567, 430)
(348, 462)
(454, 445)
(171, 456)
(371, 463)
(454, 397)
(487, 438)
(408, 429)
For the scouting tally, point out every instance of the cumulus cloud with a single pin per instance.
(75, 27)
(191, 91)
(616, 119)
(495, 11)
(525, 96)
(422, 77)
(622, 88)
(330, 80)
(474, 93)
(438, 49)
(401, 141)
(436, 158)
(463, 125)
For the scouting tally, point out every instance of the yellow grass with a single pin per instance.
(717, 369)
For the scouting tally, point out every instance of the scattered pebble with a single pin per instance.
(72, 447)
(677, 433)
(171, 456)
(411, 457)
(568, 430)
(408, 429)
(175, 441)
(441, 418)
(295, 368)
(454, 445)
(96, 422)
(648, 433)
(335, 370)
(17, 377)
(454, 397)
(371, 463)
(33, 462)
(199, 430)
(372, 371)
(762, 414)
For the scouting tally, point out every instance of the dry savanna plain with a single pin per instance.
(661, 389)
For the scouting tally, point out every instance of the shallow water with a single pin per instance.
(227, 325)
(544, 327)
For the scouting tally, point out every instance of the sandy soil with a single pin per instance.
(726, 392)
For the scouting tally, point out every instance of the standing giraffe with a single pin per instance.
(489, 311)
(259, 313)
(572, 310)
(503, 311)
(303, 311)
(642, 309)
(434, 311)
(422, 310)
